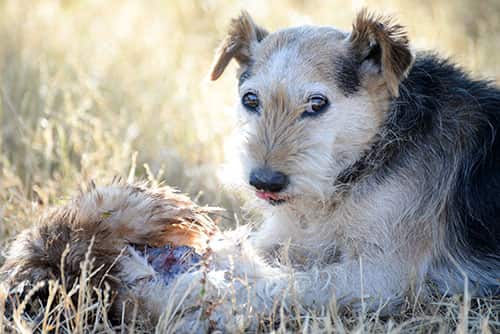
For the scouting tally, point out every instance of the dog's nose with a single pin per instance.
(268, 180)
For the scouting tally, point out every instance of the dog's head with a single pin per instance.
(311, 99)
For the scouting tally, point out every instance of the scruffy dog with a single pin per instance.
(377, 164)
(380, 170)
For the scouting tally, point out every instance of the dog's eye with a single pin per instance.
(316, 105)
(250, 101)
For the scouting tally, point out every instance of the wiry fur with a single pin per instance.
(242, 32)
(372, 34)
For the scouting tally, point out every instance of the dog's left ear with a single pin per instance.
(242, 35)
(382, 48)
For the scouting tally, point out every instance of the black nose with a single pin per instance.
(268, 180)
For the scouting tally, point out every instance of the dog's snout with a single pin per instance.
(268, 180)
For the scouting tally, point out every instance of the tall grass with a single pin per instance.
(93, 89)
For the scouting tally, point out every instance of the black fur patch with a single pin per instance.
(243, 77)
(462, 116)
(347, 75)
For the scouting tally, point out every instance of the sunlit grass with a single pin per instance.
(89, 89)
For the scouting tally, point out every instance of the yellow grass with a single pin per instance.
(87, 88)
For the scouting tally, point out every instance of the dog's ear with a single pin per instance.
(242, 34)
(381, 47)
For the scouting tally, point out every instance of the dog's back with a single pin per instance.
(454, 122)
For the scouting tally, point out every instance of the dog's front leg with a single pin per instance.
(357, 282)
(366, 279)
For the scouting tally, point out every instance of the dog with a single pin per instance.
(376, 170)
(381, 166)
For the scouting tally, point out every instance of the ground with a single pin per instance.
(95, 89)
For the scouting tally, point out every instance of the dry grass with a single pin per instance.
(89, 87)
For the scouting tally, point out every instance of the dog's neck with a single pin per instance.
(378, 154)
(295, 222)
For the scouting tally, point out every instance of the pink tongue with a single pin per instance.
(266, 196)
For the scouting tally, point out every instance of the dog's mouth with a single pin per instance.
(272, 198)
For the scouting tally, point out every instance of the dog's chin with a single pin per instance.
(272, 198)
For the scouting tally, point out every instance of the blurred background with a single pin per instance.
(94, 89)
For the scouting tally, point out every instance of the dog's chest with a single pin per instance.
(353, 228)
(302, 244)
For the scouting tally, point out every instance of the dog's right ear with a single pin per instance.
(242, 34)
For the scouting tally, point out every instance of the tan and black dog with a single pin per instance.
(381, 167)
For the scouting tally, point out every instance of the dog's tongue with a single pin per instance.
(267, 195)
